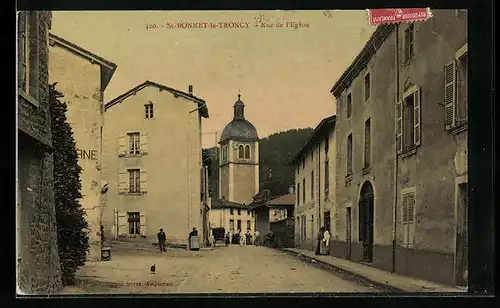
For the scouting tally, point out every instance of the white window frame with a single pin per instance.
(136, 225)
(134, 181)
(417, 119)
(149, 110)
(134, 143)
(25, 37)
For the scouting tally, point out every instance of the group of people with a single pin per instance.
(243, 239)
(192, 240)
(323, 247)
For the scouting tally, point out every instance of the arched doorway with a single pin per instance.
(366, 220)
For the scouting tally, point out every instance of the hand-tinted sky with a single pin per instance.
(284, 74)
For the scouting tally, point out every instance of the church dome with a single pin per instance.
(239, 128)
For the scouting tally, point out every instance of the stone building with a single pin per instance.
(153, 163)
(401, 154)
(315, 186)
(82, 77)
(231, 216)
(38, 265)
(238, 173)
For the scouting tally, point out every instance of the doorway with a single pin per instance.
(461, 262)
(348, 233)
(326, 221)
(366, 220)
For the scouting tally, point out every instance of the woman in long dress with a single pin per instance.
(325, 243)
(193, 240)
(321, 232)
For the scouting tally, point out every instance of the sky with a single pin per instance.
(284, 73)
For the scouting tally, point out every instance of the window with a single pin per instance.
(224, 154)
(298, 193)
(408, 213)
(249, 225)
(134, 143)
(247, 152)
(367, 143)
(349, 105)
(367, 87)
(408, 42)
(28, 53)
(327, 146)
(239, 212)
(149, 110)
(248, 212)
(134, 223)
(408, 118)
(327, 179)
(134, 181)
(231, 224)
(303, 163)
(349, 154)
(241, 152)
(304, 191)
(238, 226)
(312, 185)
(23, 50)
(231, 211)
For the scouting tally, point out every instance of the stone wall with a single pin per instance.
(39, 270)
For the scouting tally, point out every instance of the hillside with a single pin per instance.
(275, 152)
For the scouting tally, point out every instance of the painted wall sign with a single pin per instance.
(87, 154)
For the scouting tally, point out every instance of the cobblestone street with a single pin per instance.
(233, 269)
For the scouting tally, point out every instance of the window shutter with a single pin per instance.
(417, 117)
(449, 95)
(142, 221)
(399, 127)
(122, 224)
(122, 146)
(144, 181)
(144, 143)
(411, 219)
(122, 182)
(405, 219)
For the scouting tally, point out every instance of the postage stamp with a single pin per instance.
(382, 16)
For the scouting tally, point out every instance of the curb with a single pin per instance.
(376, 284)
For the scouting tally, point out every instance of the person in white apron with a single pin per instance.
(193, 240)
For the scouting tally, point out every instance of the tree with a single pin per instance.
(72, 238)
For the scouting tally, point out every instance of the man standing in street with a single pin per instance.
(162, 238)
(257, 238)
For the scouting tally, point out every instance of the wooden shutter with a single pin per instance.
(123, 182)
(144, 143)
(417, 117)
(411, 219)
(122, 145)
(405, 218)
(142, 220)
(361, 221)
(450, 95)
(399, 127)
(144, 181)
(122, 224)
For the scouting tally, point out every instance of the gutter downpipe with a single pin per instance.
(319, 184)
(395, 188)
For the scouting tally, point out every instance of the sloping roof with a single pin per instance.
(108, 68)
(288, 199)
(321, 130)
(201, 103)
(224, 204)
(378, 37)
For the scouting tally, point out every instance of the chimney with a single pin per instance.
(291, 189)
(190, 90)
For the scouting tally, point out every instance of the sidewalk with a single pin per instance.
(375, 275)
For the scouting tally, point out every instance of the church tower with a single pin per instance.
(239, 159)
